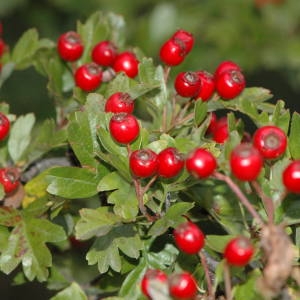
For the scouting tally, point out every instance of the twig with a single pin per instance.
(227, 281)
(235, 188)
(207, 275)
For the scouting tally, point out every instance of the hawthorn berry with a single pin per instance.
(238, 251)
(207, 86)
(212, 123)
(189, 238)
(200, 163)
(126, 62)
(9, 179)
(170, 162)
(182, 286)
(187, 84)
(4, 126)
(184, 37)
(152, 275)
(291, 177)
(104, 53)
(226, 66)
(220, 132)
(119, 102)
(88, 77)
(124, 128)
(172, 52)
(245, 162)
(230, 84)
(2, 47)
(271, 141)
(70, 46)
(143, 163)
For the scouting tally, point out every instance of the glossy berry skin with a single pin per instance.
(151, 275)
(172, 52)
(225, 66)
(200, 163)
(70, 46)
(207, 86)
(119, 102)
(187, 84)
(239, 251)
(271, 141)
(9, 179)
(4, 126)
(88, 77)
(128, 63)
(182, 286)
(170, 162)
(245, 162)
(185, 37)
(230, 84)
(212, 123)
(124, 128)
(220, 133)
(189, 238)
(104, 53)
(291, 177)
(143, 163)
(2, 47)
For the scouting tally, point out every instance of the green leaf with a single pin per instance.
(111, 181)
(294, 137)
(25, 49)
(27, 244)
(72, 182)
(73, 292)
(20, 137)
(6, 71)
(200, 111)
(217, 242)
(4, 235)
(125, 202)
(172, 218)
(105, 250)
(95, 222)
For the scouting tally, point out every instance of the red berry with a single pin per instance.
(128, 63)
(225, 66)
(246, 162)
(291, 177)
(4, 126)
(182, 286)
(104, 53)
(9, 179)
(220, 133)
(230, 84)
(187, 84)
(271, 141)
(170, 162)
(119, 102)
(88, 77)
(124, 128)
(70, 46)
(207, 86)
(201, 163)
(143, 163)
(172, 52)
(238, 251)
(2, 47)
(189, 238)
(152, 275)
(182, 36)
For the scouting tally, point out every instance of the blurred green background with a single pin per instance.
(260, 35)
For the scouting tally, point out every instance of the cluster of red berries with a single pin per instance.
(104, 54)
(228, 80)
(180, 285)
(190, 239)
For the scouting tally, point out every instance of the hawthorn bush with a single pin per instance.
(145, 186)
